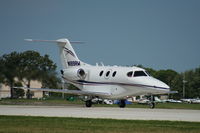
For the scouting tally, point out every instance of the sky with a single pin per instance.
(161, 34)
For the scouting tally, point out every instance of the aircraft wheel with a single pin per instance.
(88, 103)
(122, 103)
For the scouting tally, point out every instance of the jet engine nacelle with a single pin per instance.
(81, 73)
(75, 73)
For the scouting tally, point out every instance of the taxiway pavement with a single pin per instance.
(102, 112)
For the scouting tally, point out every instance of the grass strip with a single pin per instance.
(30, 124)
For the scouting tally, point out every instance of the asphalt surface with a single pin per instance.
(102, 112)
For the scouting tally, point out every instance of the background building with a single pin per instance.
(5, 90)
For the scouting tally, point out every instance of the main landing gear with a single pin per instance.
(88, 103)
(122, 103)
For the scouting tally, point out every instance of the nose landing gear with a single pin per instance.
(152, 102)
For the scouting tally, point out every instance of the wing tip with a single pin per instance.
(29, 40)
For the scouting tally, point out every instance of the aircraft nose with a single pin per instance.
(158, 84)
(162, 85)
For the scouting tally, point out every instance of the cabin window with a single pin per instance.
(114, 73)
(129, 74)
(101, 73)
(107, 74)
(139, 73)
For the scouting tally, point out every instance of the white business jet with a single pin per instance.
(110, 82)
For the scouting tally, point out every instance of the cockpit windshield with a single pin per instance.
(139, 73)
(147, 73)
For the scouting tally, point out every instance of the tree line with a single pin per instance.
(190, 80)
(17, 68)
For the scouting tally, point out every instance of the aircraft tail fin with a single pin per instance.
(67, 53)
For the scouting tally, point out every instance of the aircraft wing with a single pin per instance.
(67, 91)
(172, 92)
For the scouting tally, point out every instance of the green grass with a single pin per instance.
(62, 102)
(169, 106)
(25, 124)
(178, 106)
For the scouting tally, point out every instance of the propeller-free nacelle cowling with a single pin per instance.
(81, 73)
(75, 73)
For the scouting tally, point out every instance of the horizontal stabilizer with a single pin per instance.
(31, 40)
(55, 41)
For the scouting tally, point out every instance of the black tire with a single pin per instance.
(88, 103)
(122, 103)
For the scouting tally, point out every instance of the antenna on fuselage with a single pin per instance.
(102, 64)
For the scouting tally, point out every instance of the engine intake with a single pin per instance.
(81, 73)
